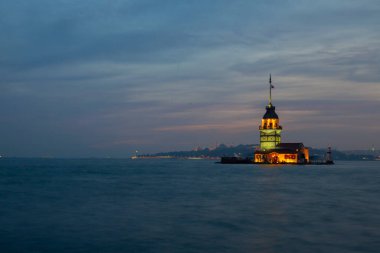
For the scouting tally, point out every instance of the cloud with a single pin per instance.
(107, 77)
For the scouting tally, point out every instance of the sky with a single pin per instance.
(96, 78)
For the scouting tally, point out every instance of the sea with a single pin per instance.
(164, 205)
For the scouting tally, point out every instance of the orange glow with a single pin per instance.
(270, 124)
(306, 152)
(275, 157)
(288, 158)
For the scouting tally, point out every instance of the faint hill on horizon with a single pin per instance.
(221, 150)
(247, 150)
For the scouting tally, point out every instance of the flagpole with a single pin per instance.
(270, 89)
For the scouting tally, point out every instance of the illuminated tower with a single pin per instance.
(270, 129)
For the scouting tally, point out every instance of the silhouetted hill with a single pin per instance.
(247, 150)
(221, 150)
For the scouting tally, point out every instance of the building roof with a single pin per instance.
(295, 145)
(284, 148)
(270, 113)
(278, 151)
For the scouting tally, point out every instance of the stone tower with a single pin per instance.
(270, 129)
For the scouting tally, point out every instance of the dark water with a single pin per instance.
(52, 205)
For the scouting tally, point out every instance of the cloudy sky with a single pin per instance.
(104, 78)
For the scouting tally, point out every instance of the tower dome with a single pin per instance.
(270, 113)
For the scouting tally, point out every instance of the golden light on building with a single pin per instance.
(271, 149)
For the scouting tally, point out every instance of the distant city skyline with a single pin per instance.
(105, 78)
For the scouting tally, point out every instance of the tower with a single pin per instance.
(270, 129)
(328, 157)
